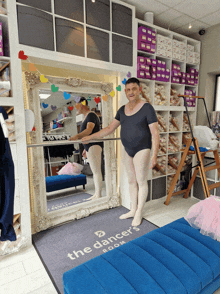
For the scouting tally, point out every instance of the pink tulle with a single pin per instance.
(205, 215)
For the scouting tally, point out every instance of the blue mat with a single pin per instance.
(174, 259)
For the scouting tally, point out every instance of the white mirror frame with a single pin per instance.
(41, 219)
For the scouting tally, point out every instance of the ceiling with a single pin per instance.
(178, 14)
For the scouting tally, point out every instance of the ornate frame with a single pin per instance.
(41, 219)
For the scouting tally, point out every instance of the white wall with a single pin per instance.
(210, 66)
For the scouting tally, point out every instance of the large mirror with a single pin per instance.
(55, 200)
(60, 121)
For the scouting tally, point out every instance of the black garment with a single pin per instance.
(135, 132)
(7, 187)
(91, 117)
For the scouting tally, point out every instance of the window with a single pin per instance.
(217, 94)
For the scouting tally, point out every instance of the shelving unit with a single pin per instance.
(160, 183)
(21, 205)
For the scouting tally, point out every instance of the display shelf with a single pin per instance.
(65, 118)
(53, 130)
(165, 110)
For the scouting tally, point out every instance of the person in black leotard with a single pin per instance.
(139, 133)
(93, 151)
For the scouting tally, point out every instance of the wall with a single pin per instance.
(210, 66)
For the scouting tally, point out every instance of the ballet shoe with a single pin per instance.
(137, 219)
(94, 197)
(127, 215)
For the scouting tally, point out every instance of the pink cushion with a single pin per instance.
(70, 169)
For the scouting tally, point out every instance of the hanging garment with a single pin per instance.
(7, 187)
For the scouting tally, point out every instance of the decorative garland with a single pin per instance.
(66, 95)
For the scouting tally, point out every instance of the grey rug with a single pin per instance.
(64, 201)
(67, 246)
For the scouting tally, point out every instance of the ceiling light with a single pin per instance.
(44, 96)
(190, 26)
(93, 1)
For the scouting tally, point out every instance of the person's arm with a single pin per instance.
(89, 127)
(4, 126)
(104, 132)
(155, 142)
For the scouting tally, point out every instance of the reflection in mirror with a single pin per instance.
(72, 175)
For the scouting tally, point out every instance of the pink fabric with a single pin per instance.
(71, 169)
(205, 215)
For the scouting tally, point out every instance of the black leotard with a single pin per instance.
(91, 117)
(135, 132)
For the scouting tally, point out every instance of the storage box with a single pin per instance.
(147, 75)
(167, 71)
(153, 62)
(153, 35)
(153, 76)
(147, 47)
(147, 68)
(174, 73)
(141, 74)
(153, 69)
(141, 46)
(147, 61)
(158, 77)
(173, 79)
(183, 74)
(141, 67)
(142, 30)
(142, 38)
(159, 70)
(152, 48)
(141, 59)
(148, 40)
(182, 80)
(174, 66)
(167, 77)
(153, 41)
(159, 62)
(163, 64)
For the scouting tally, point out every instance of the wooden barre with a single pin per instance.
(191, 96)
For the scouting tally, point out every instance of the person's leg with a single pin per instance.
(141, 164)
(94, 157)
(133, 188)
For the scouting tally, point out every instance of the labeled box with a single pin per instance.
(141, 66)
(141, 59)
(142, 38)
(153, 76)
(142, 30)
(147, 75)
(141, 46)
(141, 74)
(147, 61)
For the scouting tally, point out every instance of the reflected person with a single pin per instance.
(139, 133)
(92, 151)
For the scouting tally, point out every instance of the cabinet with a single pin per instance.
(162, 92)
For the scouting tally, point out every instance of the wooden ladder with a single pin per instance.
(199, 167)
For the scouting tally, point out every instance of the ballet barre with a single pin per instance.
(67, 142)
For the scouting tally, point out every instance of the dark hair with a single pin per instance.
(133, 80)
(83, 99)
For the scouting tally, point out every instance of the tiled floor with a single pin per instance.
(23, 272)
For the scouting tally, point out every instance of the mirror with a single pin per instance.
(61, 120)
(33, 87)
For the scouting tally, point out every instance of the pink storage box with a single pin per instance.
(141, 66)
(153, 76)
(159, 62)
(147, 75)
(187, 76)
(163, 77)
(142, 38)
(147, 47)
(142, 30)
(153, 69)
(141, 59)
(173, 79)
(153, 62)
(182, 80)
(149, 32)
(147, 61)
(147, 68)
(141, 46)
(192, 77)
(141, 74)
(178, 67)
(183, 75)
(174, 66)
(167, 77)
(163, 70)
(167, 71)
(149, 40)
(159, 70)
(158, 77)
(1, 41)
(178, 80)
(152, 48)
(163, 64)
(153, 35)
(174, 73)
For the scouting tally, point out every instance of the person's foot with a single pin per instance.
(94, 197)
(127, 215)
(137, 219)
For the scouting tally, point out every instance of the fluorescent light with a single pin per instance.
(190, 26)
(44, 96)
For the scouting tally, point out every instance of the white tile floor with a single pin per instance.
(23, 272)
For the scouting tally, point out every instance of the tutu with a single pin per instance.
(205, 215)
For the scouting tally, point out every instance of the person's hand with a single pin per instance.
(86, 140)
(153, 161)
(74, 138)
(84, 154)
